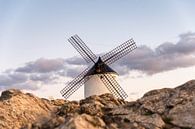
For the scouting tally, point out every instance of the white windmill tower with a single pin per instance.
(95, 86)
(98, 78)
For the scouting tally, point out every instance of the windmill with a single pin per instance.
(98, 78)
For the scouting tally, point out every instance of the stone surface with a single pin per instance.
(183, 115)
(18, 109)
(168, 108)
(83, 121)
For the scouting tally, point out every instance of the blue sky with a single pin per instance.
(33, 29)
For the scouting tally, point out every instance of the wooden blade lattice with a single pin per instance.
(119, 52)
(75, 84)
(113, 86)
(82, 48)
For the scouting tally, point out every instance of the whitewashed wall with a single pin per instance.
(94, 86)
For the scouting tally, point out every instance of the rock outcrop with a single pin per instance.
(168, 108)
(18, 109)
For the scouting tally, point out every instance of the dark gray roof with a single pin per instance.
(100, 68)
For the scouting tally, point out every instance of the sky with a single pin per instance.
(35, 55)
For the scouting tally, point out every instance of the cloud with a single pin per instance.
(12, 78)
(16, 80)
(40, 72)
(76, 61)
(167, 56)
(42, 66)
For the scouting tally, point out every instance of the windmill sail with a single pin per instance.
(75, 84)
(119, 52)
(82, 48)
(113, 86)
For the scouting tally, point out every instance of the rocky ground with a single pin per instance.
(158, 109)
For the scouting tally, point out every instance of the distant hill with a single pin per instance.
(168, 108)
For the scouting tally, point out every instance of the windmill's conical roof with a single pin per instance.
(100, 68)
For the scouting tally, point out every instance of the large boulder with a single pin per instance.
(17, 109)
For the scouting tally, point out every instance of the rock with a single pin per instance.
(58, 102)
(17, 109)
(69, 108)
(83, 121)
(105, 99)
(123, 115)
(52, 123)
(168, 108)
(156, 101)
(9, 94)
(183, 115)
